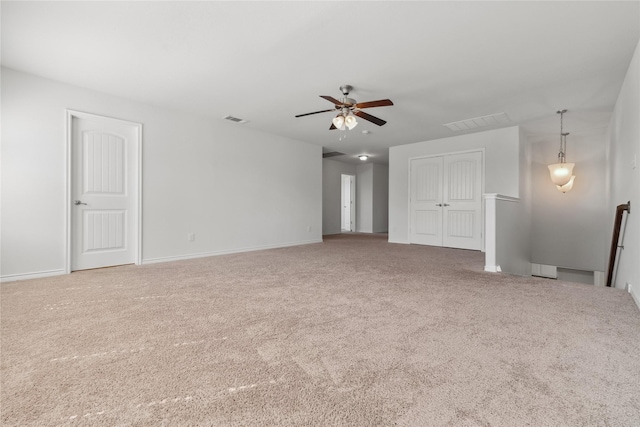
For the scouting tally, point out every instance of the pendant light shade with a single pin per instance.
(338, 122)
(561, 173)
(567, 187)
(350, 121)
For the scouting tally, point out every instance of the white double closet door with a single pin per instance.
(446, 201)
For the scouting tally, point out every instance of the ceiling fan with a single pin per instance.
(348, 108)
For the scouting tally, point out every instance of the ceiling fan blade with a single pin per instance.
(332, 99)
(370, 118)
(378, 103)
(315, 112)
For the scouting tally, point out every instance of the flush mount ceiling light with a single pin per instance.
(562, 172)
(363, 157)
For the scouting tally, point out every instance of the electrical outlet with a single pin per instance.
(629, 287)
(309, 228)
(191, 237)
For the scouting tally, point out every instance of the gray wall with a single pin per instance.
(380, 198)
(235, 188)
(624, 184)
(372, 182)
(364, 198)
(515, 220)
(570, 229)
(513, 251)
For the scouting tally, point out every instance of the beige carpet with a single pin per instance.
(350, 332)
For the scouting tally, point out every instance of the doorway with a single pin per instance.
(445, 204)
(348, 206)
(104, 191)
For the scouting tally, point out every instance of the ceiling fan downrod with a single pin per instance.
(349, 102)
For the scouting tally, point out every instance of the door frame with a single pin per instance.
(137, 241)
(482, 175)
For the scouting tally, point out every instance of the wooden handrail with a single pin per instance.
(616, 236)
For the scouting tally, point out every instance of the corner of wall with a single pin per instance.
(623, 154)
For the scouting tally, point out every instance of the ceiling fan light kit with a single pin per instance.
(349, 108)
(343, 121)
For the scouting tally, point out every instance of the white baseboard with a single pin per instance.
(49, 273)
(492, 268)
(27, 276)
(225, 252)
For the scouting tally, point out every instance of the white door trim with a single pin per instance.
(70, 115)
(472, 150)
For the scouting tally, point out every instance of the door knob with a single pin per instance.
(438, 204)
(78, 202)
(446, 204)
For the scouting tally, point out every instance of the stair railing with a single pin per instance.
(616, 237)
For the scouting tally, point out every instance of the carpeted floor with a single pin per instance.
(350, 332)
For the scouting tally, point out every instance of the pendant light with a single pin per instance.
(562, 172)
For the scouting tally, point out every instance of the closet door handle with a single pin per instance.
(446, 204)
(439, 204)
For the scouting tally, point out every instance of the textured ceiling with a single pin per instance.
(265, 62)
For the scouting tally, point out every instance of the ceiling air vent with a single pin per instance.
(478, 122)
(332, 154)
(235, 119)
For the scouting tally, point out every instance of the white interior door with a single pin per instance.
(348, 206)
(426, 201)
(346, 203)
(104, 192)
(352, 202)
(445, 201)
(462, 201)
